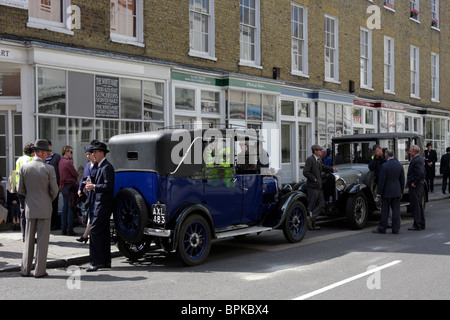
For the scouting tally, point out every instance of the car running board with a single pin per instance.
(241, 232)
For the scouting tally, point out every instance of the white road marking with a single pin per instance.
(340, 283)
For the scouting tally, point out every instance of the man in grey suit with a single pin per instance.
(391, 183)
(313, 173)
(37, 183)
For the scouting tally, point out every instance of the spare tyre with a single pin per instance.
(130, 215)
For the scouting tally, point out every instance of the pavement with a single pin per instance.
(65, 251)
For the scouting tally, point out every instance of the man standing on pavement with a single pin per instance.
(430, 167)
(391, 183)
(313, 173)
(102, 201)
(37, 183)
(415, 183)
(445, 169)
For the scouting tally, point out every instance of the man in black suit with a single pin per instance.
(391, 183)
(430, 167)
(445, 169)
(313, 173)
(415, 183)
(103, 196)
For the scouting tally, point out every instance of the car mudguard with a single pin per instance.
(286, 200)
(183, 213)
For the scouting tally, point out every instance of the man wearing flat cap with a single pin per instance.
(37, 183)
(102, 201)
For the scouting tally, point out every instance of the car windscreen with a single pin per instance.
(353, 152)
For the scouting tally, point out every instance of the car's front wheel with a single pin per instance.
(357, 210)
(294, 227)
(194, 240)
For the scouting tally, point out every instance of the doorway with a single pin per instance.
(11, 142)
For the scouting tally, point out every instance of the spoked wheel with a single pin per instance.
(134, 251)
(357, 210)
(130, 215)
(295, 224)
(194, 240)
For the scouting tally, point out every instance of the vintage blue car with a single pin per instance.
(181, 189)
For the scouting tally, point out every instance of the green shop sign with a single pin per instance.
(228, 82)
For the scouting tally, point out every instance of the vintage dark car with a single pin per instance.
(351, 192)
(184, 188)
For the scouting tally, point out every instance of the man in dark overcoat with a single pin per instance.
(430, 167)
(391, 183)
(415, 183)
(102, 202)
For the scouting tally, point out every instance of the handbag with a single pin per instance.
(11, 185)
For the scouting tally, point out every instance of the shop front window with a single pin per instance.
(153, 101)
(9, 83)
(210, 102)
(184, 99)
(51, 91)
(130, 99)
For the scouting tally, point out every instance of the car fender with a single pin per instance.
(286, 201)
(356, 188)
(186, 211)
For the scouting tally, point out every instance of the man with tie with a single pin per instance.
(391, 183)
(102, 202)
(415, 183)
(313, 173)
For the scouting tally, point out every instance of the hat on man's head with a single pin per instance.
(41, 144)
(100, 146)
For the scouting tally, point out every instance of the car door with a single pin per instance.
(222, 189)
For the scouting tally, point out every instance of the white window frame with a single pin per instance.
(365, 58)
(389, 4)
(333, 48)
(302, 39)
(139, 39)
(435, 12)
(389, 65)
(414, 4)
(256, 62)
(435, 78)
(415, 72)
(210, 51)
(54, 26)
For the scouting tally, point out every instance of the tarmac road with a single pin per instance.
(333, 263)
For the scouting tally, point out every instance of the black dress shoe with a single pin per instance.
(100, 266)
(82, 239)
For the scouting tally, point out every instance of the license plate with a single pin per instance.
(159, 213)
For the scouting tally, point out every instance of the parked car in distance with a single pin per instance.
(181, 189)
(351, 192)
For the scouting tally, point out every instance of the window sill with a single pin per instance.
(251, 64)
(43, 26)
(415, 20)
(131, 41)
(202, 55)
(299, 74)
(389, 92)
(387, 7)
(332, 80)
(436, 28)
(414, 97)
(366, 88)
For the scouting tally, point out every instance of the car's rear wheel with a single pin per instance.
(130, 215)
(357, 210)
(295, 223)
(194, 240)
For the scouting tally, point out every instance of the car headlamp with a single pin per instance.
(340, 184)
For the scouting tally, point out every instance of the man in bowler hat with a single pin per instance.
(102, 200)
(37, 183)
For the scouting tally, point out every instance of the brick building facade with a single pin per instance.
(303, 71)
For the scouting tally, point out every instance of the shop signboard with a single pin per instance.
(107, 97)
